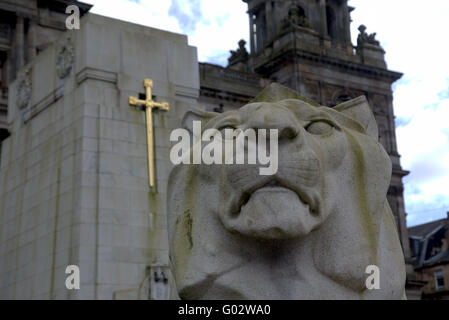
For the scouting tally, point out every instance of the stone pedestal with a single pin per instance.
(371, 55)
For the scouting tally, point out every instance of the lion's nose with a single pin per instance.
(269, 116)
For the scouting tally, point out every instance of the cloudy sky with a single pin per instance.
(415, 39)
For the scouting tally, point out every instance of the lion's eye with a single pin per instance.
(226, 126)
(319, 128)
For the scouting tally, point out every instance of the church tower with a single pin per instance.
(306, 45)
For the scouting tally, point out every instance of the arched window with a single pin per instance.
(343, 97)
(331, 25)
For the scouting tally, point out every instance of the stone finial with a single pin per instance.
(295, 18)
(366, 38)
(239, 58)
(239, 55)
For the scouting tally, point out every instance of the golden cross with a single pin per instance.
(149, 104)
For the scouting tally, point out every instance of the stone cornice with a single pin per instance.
(289, 55)
(95, 74)
(224, 95)
(32, 12)
(232, 74)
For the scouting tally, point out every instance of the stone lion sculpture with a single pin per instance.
(307, 232)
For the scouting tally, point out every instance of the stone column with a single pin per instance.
(403, 225)
(20, 61)
(323, 19)
(347, 21)
(347, 24)
(391, 126)
(269, 21)
(31, 41)
(10, 65)
(251, 32)
(6, 71)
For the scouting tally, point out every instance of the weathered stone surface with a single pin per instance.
(307, 232)
(74, 178)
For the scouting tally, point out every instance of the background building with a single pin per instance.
(27, 27)
(429, 245)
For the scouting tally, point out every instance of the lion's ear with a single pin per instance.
(359, 109)
(196, 115)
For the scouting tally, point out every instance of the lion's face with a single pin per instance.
(322, 211)
(292, 202)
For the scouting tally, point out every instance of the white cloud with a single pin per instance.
(151, 13)
(214, 28)
(412, 33)
(227, 23)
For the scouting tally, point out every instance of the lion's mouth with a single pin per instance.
(276, 186)
(273, 210)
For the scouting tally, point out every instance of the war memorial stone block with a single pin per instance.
(74, 175)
